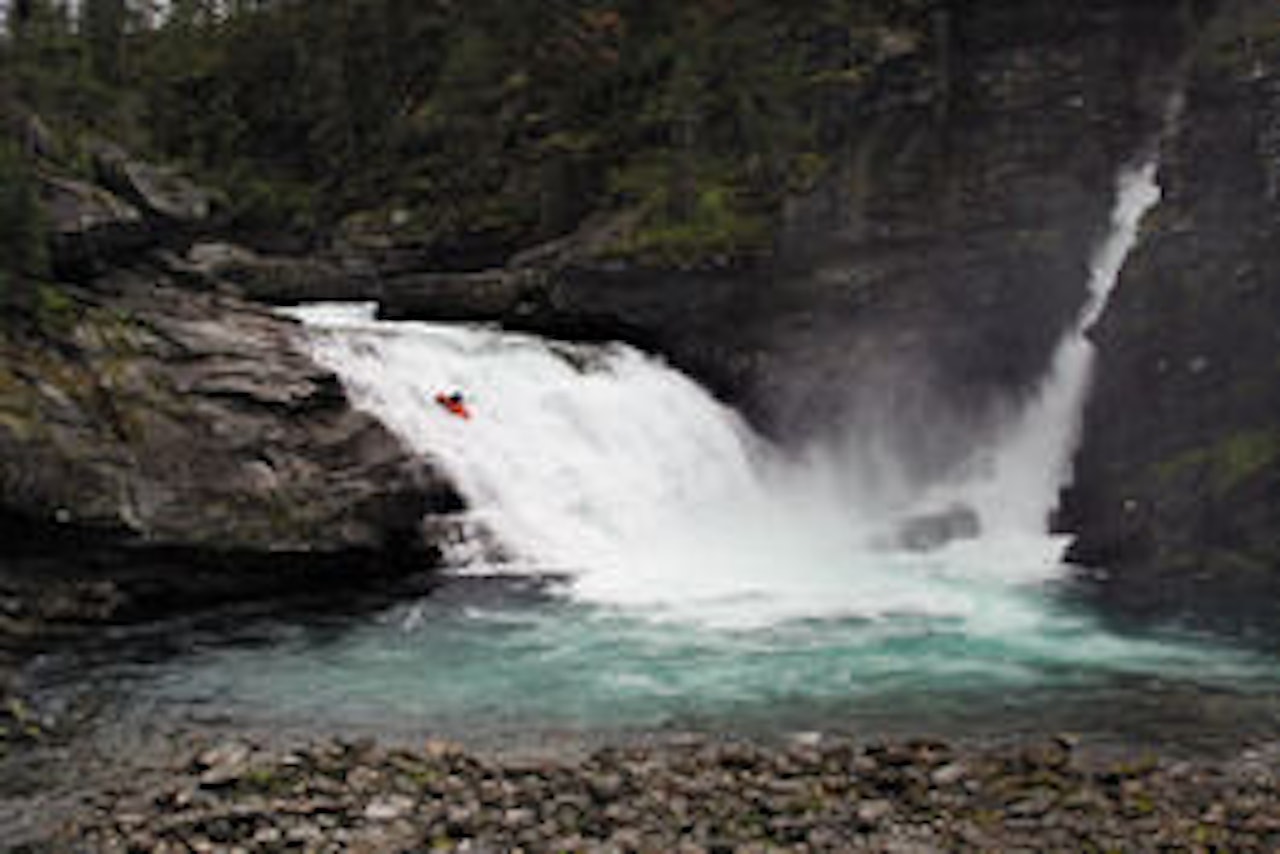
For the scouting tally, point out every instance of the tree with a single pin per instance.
(103, 23)
(22, 250)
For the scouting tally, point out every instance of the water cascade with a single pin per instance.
(1031, 460)
(683, 569)
(609, 466)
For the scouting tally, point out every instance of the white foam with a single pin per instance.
(610, 466)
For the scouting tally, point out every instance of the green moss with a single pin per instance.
(267, 781)
(694, 244)
(807, 168)
(1225, 465)
(1236, 563)
(56, 311)
(1245, 455)
(575, 142)
(421, 778)
(1245, 41)
(692, 214)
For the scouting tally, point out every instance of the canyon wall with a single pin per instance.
(1178, 481)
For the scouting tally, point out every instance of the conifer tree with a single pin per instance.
(103, 23)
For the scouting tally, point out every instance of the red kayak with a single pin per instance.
(454, 404)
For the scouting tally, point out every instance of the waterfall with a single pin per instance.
(608, 467)
(574, 454)
(1031, 458)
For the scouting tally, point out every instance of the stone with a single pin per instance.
(162, 192)
(606, 787)
(949, 775)
(278, 280)
(267, 835)
(389, 808)
(871, 813)
(806, 739)
(90, 227)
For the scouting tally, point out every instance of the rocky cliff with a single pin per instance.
(164, 443)
(1178, 482)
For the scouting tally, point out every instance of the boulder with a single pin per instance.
(184, 445)
(930, 531)
(131, 207)
(162, 192)
(89, 225)
(276, 279)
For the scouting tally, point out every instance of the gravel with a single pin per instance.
(698, 795)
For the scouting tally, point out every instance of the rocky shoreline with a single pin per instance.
(689, 794)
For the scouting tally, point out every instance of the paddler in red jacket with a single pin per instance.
(455, 403)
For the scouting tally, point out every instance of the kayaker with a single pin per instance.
(455, 403)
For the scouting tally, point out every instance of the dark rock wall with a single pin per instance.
(1178, 489)
(929, 273)
(950, 252)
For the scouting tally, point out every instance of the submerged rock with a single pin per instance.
(935, 530)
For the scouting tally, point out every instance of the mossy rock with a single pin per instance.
(719, 223)
(1225, 465)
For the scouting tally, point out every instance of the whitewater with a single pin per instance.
(609, 467)
(632, 555)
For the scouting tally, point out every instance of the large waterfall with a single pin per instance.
(612, 468)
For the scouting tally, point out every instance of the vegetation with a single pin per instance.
(470, 128)
(1231, 461)
(22, 253)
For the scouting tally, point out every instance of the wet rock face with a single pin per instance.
(951, 246)
(142, 427)
(1178, 490)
